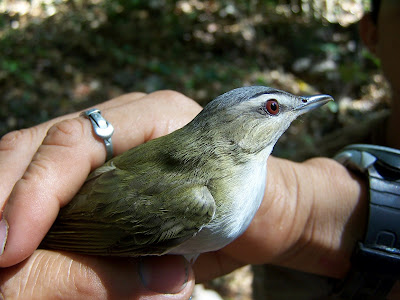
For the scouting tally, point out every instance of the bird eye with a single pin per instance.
(272, 107)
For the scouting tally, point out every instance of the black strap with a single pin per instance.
(383, 230)
(376, 261)
(364, 286)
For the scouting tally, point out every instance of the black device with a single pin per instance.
(376, 259)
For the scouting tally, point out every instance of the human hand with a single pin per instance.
(41, 168)
(312, 215)
(302, 223)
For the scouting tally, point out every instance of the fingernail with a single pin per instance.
(164, 274)
(3, 235)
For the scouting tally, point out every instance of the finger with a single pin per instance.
(51, 275)
(149, 117)
(18, 147)
(16, 151)
(68, 153)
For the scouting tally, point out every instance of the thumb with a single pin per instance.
(50, 275)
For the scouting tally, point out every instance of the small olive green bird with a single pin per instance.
(192, 191)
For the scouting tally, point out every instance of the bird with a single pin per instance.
(192, 191)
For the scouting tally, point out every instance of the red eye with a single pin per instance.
(272, 107)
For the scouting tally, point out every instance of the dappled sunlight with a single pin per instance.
(58, 56)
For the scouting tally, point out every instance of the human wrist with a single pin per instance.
(335, 205)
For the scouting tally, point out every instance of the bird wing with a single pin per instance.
(132, 211)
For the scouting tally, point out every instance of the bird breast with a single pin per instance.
(237, 198)
(246, 192)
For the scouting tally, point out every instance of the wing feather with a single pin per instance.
(144, 209)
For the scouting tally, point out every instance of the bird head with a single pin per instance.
(253, 118)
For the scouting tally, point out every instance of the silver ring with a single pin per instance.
(102, 128)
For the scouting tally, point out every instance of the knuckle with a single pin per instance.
(176, 104)
(171, 97)
(84, 280)
(133, 95)
(38, 168)
(15, 139)
(172, 110)
(48, 276)
(16, 282)
(65, 133)
(328, 165)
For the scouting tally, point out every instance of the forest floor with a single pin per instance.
(87, 53)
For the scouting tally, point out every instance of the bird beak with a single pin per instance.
(311, 102)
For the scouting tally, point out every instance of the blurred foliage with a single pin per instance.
(67, 55)
(58, 56)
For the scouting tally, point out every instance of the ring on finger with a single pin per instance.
(102, 128)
